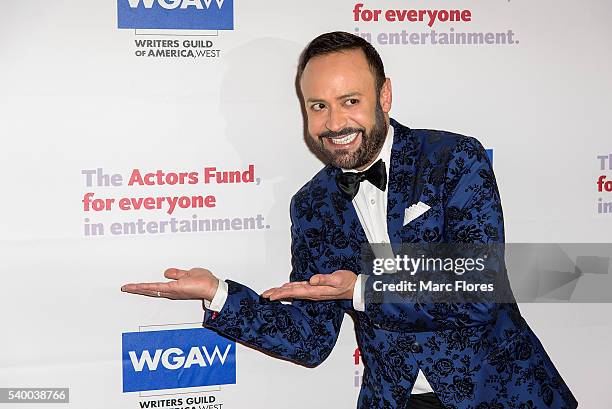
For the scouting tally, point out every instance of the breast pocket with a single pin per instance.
(428, 230)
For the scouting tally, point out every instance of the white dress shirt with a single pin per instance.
(371, 207)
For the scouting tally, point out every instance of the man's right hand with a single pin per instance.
(194, 284)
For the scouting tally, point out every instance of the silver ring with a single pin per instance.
(158, 294)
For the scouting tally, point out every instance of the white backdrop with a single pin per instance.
(74, 96)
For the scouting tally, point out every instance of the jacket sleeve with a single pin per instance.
(303, 331)
(472, 214)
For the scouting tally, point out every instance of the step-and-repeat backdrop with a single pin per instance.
(138, 135)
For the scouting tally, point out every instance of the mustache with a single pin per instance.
(342, 132)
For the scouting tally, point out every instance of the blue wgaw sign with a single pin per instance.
(172, 359)
(176, 14)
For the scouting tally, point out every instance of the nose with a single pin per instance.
(336, 120)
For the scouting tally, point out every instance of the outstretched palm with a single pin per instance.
(193, 284)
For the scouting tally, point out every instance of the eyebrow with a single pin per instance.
(349, 95)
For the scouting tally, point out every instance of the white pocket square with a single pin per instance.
(414, 211)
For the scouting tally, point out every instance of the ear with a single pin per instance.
(385, 96)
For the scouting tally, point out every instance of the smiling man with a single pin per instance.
(467, 356)
(341, 126)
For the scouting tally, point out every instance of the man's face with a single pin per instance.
(346, 116)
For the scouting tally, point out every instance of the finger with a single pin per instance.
(271, 292)
(289, 284)
(175, 273)
(157, 294)
(139, 288)
(290, 293)
(293, 287)
(278, 294)
(295, 284)
(268, 291)
(142, 289)
(306, 292)
(323, 279)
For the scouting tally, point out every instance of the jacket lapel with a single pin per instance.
(401, 179)
(350, 231)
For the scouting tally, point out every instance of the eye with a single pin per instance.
(351, 101)
(318, 106)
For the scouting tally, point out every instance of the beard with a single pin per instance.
(371, 143)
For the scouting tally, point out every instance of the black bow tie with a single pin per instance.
(348, 182)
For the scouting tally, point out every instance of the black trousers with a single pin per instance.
(424, 401)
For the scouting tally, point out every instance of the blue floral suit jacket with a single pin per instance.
(475, 356)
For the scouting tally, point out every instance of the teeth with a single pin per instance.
(344, 140)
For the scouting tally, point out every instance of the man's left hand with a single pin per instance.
(338, 285)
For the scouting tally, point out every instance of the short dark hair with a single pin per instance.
(337, 41)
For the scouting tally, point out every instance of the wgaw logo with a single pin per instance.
(177, 359)
(176, 14)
